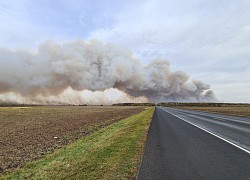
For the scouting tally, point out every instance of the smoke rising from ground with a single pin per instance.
(58, 73)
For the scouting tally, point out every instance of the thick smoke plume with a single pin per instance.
(93, 66)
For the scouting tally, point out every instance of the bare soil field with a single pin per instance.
(243, 111)
(28, 133)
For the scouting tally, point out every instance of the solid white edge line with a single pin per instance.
(247, 151)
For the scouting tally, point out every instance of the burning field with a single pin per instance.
(28, 133)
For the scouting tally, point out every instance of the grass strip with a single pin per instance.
(113, 152)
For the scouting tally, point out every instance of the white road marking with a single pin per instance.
(218, 116)
(247, 151)
(221, 119)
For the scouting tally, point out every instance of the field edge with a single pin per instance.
(113, 152)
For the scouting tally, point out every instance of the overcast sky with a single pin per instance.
(210, 40)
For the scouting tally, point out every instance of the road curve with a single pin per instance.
(177, 149)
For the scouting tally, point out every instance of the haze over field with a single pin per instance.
(96, 52)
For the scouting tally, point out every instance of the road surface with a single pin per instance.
(185, 144)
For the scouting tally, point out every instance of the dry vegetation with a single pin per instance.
(222, 108)
(28, 133)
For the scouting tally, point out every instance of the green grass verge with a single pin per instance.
(113, 152)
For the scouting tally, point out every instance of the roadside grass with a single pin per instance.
(113, 152)
(29, 133)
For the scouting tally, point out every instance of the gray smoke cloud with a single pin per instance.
(94, 66)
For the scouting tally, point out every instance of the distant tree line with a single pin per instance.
(134, 104)
(167, 104)
(17, 105)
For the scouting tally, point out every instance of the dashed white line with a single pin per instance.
(247, 151)
(216, 116)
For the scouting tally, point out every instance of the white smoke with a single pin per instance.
(46, 75)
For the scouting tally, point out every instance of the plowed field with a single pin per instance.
(29, 133)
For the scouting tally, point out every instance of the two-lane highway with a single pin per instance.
(231, 128)
(195, 145)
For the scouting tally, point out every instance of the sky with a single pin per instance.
(210, 40)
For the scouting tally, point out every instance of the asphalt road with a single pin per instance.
(195, 145)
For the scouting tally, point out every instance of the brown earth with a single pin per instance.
(28, 133)
(243, 111)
